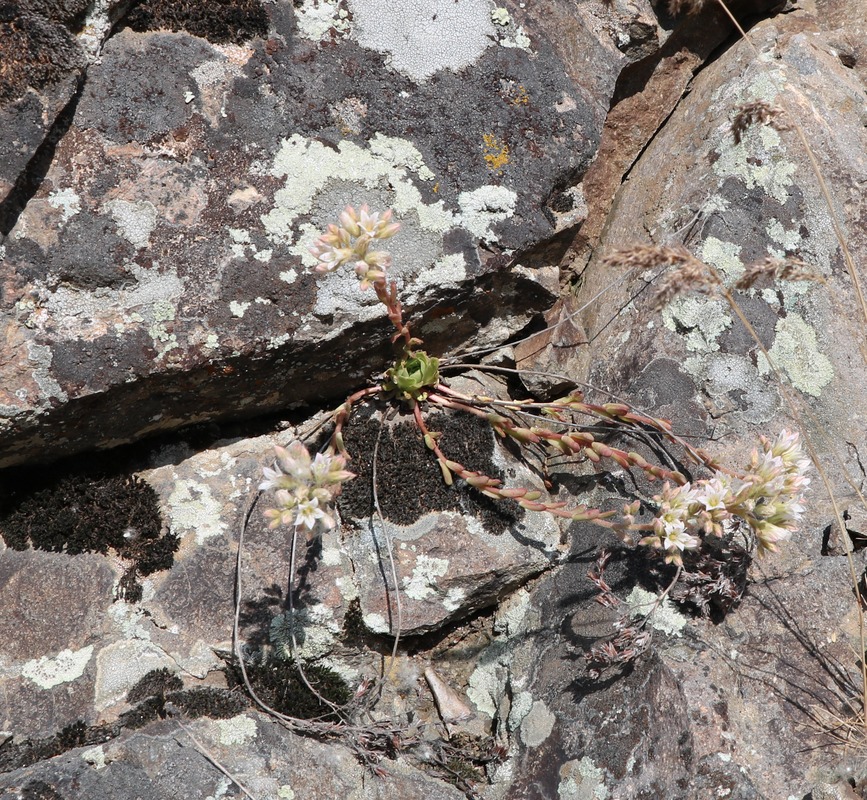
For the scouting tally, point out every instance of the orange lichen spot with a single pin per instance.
(515, 94)
(496, 152)
(520, 96)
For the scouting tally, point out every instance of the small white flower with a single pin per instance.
(676, 537)
(308, 514)
(713, 495)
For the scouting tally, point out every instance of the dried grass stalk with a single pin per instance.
(787, 269)
(757, 112)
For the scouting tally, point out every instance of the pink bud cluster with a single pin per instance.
(304, 488)
(350, 243)
(767, 498)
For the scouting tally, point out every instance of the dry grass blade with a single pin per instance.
(691, 7)
(786, 269)
(689, 273)
(757, 112)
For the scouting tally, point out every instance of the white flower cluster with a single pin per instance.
(350, 242)
(767, 498)
(304, 488)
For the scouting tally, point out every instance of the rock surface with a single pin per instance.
(162, 261)
(170, 170)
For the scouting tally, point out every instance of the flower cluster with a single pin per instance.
(767, 498)
(350, 241)
(304, 488)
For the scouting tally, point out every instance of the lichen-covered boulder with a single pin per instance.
(163, 261)
(733, 203)
(126, 621)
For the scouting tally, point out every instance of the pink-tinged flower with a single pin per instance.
(350, 242)
(768, 535)
(294, 461)
(274, 479)
(308, 514)
(376, 225)
(330, 258)
(328, 469)
(303, 487)
(349, 221)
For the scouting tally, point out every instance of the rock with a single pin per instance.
(81, 659)
(158, 276)
(164, 760)
(732, 204)
(163, 263)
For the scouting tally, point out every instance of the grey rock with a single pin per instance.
(163, 262)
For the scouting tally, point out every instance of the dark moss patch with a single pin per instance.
(409, 481)
(209, 701)
(278, 684)
(39, 790)
(157, 683)
(145, 712)
(80, 514)
(35, 51)
(160, 687)
(353, 621)
(219, 21)
(15, 755)
(155, 695)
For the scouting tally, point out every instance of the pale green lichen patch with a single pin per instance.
(66, 666)
(796, 351)
(95, 756)
(581, 780)
(308, 166)
(758, 161)
(120, 665)
(514, 615)
(701, 319)
(482, 207)
(135, 220)
(450, 269)
(285, 792)
(422, 37)
(316, 19)
(193, 507)
(665, 618)
(238, 309)
(40, 357)
(788, 240)
(237, 730)
(501, 16)
(67, 201)
(376, 623)
(537, 725)
(726, 375)
(522, 702)
(486, 682)
(422, 583)
(725, 256)
(454, 598)
(128, 618)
